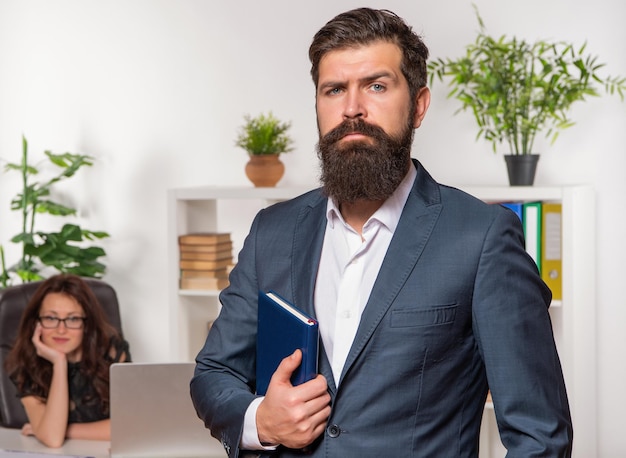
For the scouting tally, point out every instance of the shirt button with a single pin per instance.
(333, 431)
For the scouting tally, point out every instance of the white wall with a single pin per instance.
(156, 90)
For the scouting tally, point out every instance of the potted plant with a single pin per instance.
(517, 89)
(63, 251)
(264, 137)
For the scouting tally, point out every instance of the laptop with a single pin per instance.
(152, 414)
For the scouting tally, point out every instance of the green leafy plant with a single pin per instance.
(516, 89)
(60, 250)
(264, 134)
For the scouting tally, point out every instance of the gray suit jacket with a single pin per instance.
(458, 306)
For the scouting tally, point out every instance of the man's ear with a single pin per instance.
(422, 101)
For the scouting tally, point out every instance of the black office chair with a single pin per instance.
(13, 301)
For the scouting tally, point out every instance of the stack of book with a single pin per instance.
(205, 260)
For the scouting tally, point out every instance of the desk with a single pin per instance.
(12, 439)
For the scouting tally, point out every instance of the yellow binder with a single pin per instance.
(551, 263)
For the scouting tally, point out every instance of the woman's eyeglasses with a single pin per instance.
(71, 322)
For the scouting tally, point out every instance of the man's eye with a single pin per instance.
(378, 87)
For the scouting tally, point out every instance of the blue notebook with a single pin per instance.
(282, 328)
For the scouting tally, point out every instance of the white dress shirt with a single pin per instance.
(348, 268)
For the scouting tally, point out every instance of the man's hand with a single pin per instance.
(293, 416)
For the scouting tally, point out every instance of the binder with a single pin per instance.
(282, 328)
(532, 230)
(551, 272)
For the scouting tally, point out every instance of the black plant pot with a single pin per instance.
(521, 168)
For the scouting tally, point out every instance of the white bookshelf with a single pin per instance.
(231, 209)
(207, 209)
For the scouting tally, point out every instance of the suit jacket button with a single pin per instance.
(333, 431)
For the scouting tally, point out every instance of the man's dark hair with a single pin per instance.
(363, 26)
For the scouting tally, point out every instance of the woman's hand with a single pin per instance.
(27, 430)
(46, 352)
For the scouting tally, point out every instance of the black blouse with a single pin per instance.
(85, 404)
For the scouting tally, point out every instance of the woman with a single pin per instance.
(60, 362)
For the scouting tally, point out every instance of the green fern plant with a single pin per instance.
(264, 134)
(63, 250)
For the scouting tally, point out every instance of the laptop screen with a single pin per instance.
(152, 414)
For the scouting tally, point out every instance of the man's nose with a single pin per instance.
(354, 107)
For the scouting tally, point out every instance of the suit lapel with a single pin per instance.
(418, 219)
(306, 254)
(307, 251)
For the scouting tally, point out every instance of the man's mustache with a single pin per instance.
(350, 126)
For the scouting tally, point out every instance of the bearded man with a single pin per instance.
(424, 295)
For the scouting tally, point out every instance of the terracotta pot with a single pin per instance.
(265, 170)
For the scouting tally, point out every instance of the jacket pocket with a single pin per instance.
(435, 316)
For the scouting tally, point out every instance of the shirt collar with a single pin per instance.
(390, 211)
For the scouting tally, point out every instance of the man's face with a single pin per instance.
(365, 120)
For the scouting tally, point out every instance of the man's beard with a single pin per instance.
(362, 169)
